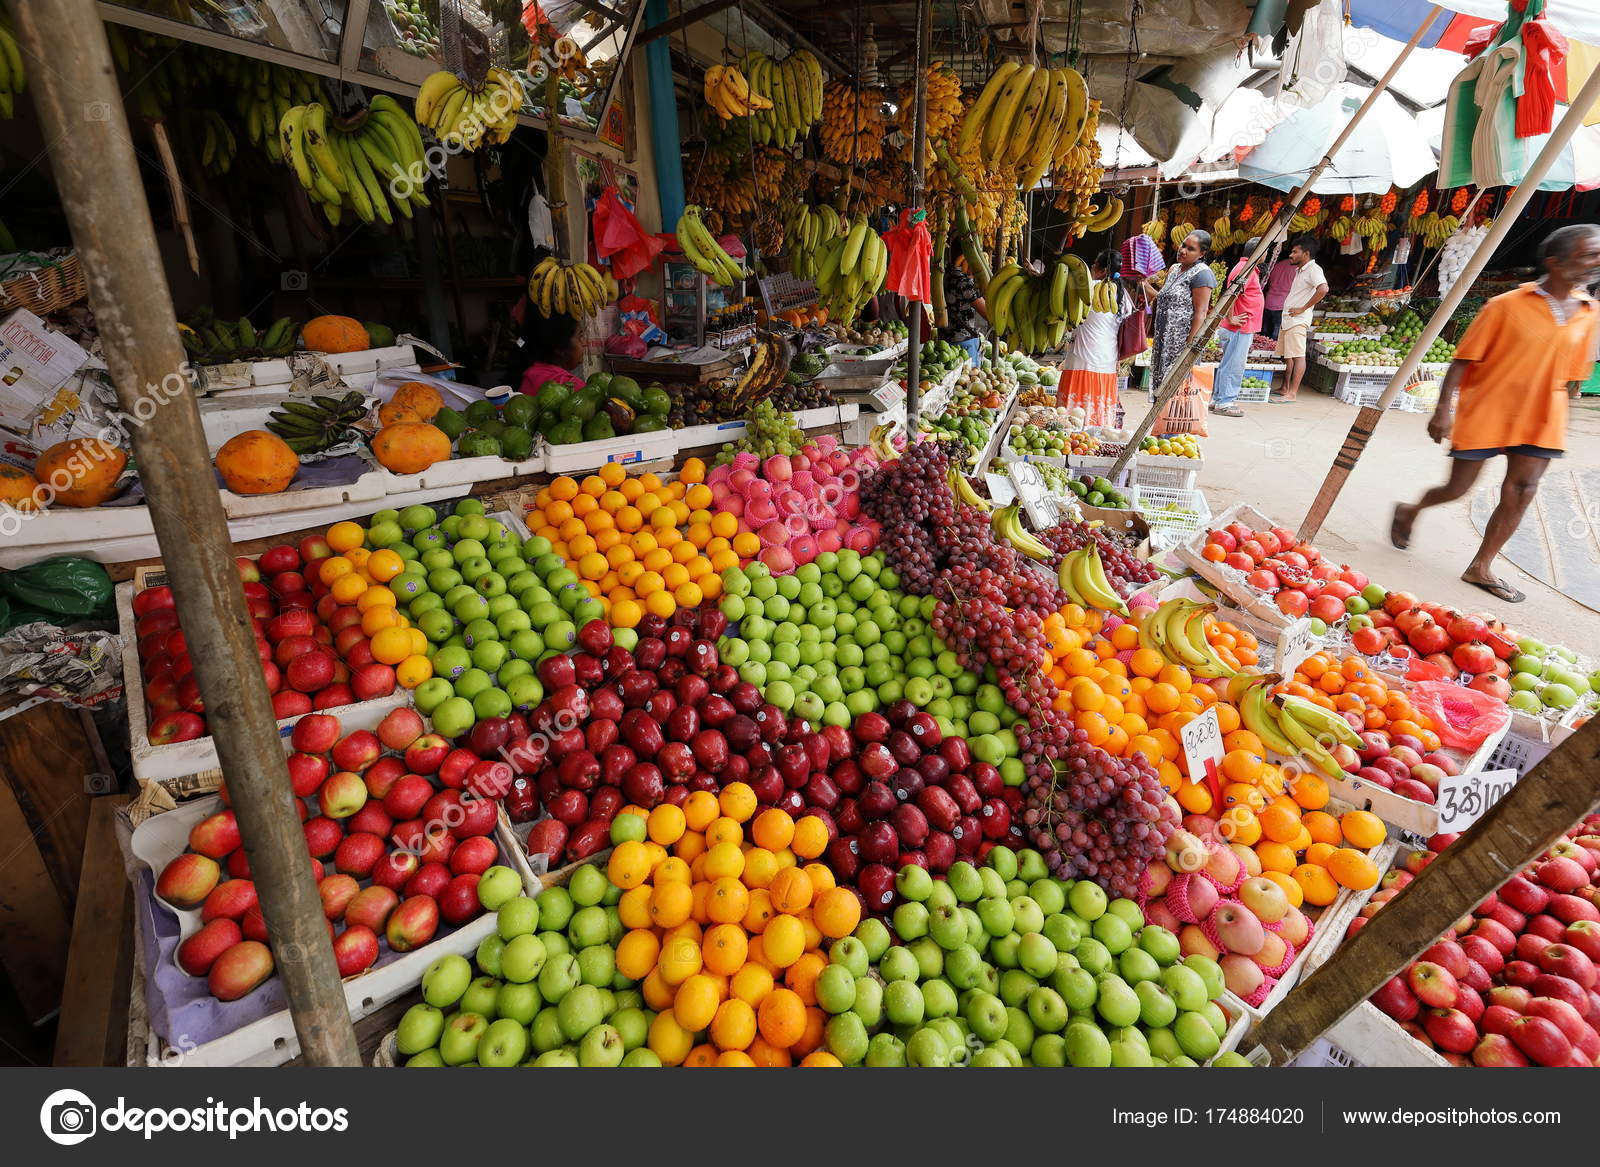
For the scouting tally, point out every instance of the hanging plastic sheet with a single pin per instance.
(619, 237)
(910, 257)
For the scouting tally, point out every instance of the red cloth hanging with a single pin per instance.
(619, 237)
(910, 258)
(1544, 81)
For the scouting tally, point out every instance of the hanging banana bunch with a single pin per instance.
(372, 168)
(944, 110)
(794, 85)
(1024, 119)
(1032, 313)
(1078, 173)
(853, 127)
(570, 289)
(701, 249)
(13, 77)
(265, 92)
(466, 115)
(808, 230)
(729, 94)
(725, 194)
(852, 270)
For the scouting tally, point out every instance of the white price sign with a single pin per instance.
(1294, 646)
(1466, 798)
(1001, 490)
(1042, 508)
(1201, 739)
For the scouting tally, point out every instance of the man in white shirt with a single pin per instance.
(1307, 291)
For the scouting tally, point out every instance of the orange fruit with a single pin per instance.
(769, 1057)
(784, 940)
(820, 1059)
(791, 890)
(728, 901)
(666, 824)
(1316, 884)
(1309, 790)
(725, 948)
(670, 904)
(700, 809)
(1277, 857)
(412, 671)
(781, 1019)
(1324, 828)
(629, 865)
(810, 837)
(696, 1003)
(634, 907)
(724, 860)
(734, 1025)
(1279, 825)
(1319, 853)
(346, 536)
(668, 1040)
(759, 912)
(637, 952)
(1291, 887)
(1352, 869)
(773, 829)
(801, 976)
(750, 983)
(837, 912)
(391, 645)
(1362, 829)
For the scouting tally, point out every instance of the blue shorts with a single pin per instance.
(1525, 451)
(974, 347)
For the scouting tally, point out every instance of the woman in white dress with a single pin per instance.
(1089, 374)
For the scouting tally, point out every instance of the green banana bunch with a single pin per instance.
(794, 88)
(211, 341)
(1032, 313)
(701, 249)
(311, 426)
(373, 168)
(1292, 726)
(807, 230)
(264, 92)
(852, 270)
(13, 76)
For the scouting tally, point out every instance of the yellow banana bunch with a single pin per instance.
(853, 127)
(1025, 120)
(372, 168)
(808, 230)
(701, 249)
(1439, 230)
(851, 270)
(1156, 229)
(729, 94)
(944, 109)
(1177, 630)
(1082, 576)
(1006, 523)
(795, 86)
(575, 289)
(467, 116)
(725, 196)
(264, 92)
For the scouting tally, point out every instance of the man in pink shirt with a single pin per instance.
(1279, 280)
(1236, 334)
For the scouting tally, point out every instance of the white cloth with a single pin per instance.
(1094, 342)
(1306, 282)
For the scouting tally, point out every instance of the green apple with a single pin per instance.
(847, 951)
(454, 717)
(927, 1048)
(558, 977)
(523, 958)
(1015, 985)
(885, 1050)
(1129, 912)
(517, 917)
(458, 1045)
(504, 1044)
(910, 920)
(481, 997)
(948, 927)
(1116, 1001)
(938, 998)
(597, 964)
(555, 908)
(419, 1029)
(1063, 931)
(520, 1002)
(589, 926)
(1195, 1036)
(899, 964)
(1028, 915)
(1156, 1006)
(913, 883)
(1087, 900)
(1047, 1010)
(1086, 1045)
(587, 887)
(1159, 943)
(1113, 932)
(997, 914)
(874, 936)
(1037, 956)
(488, 955)
(498, 886)
(1077, 987)
(445, 980)
(930, 957)
(845, 1037)
(836, 989)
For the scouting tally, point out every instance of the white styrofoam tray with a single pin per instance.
(629, 448)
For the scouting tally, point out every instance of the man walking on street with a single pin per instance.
(1309, 287)
(1527, 353)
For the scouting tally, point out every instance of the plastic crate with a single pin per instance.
(1518, 752)
(1162, 470)
(1164, 507)
(1253, 394)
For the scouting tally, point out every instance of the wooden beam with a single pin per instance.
(1556, 794)
(775, 23)
(93, 1027)
(683, 20)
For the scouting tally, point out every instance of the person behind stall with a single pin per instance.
(1236, 335)
(1522, 359)
(965, 310)
(1308, 290)
(1089, 374)
(1182, 302)
(548, 349)
(1275, 290)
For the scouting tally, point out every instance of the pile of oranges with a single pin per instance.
(638, 544)
(727, 912)
(357, 577)
(1132, 700)
(1350, 686)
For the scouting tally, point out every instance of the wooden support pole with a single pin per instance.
(1222, 303)
(1557, 793)
(92, 161)
(1355, 442)
(683, 20)
(919, 164)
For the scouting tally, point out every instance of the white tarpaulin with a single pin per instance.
(1387, 149)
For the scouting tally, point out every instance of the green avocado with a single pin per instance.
(520, 410)
(564, 433)
(552, 396)
(381, 335)
(649, 423)
(516, 444)
(603, 382)
(657, 401)
(597, 428)
(580, 408)
(451, 423)
(481, 411)
(627, 389)
(493, 428)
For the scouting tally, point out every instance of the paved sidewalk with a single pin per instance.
(1276, 457)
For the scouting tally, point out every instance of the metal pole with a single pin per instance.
(919, 163)
(1178, 375)
(1355, 443)
(93, 162)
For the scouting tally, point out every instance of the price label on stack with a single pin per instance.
(1036, 497)
(1201, 739)
(1466, 798)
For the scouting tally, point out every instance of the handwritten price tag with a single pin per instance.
(1002, 491)
(1466, 798)
(1294, 645)
(1042, 507)
(1201, 739)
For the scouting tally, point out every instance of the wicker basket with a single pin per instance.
(54, 284)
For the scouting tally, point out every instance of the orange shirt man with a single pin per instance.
(1522, 359)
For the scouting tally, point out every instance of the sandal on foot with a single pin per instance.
(1499, 589)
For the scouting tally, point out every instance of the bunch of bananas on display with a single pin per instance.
(852, 124)
(852, 270)
(725, 193)
(770, 169)
(944, 106)
(795, 86)
(310, 427)
(1290, 725)
(881, 439)
(1101, 218)
(217, 143)
(1025, 118)
(1032, 313)
(1078, 173)
(701, 249)
(963, 491)
(369, 168)
(211, 341)
(1374, 228)
(569, 289)
(1155, 229)
(1309, 217)
(1435, 228)
(13, 77)
(470, 116)
(729, 94)
(807, 230)
(1006, 524)
(1177, 630)
(1180, 232)
(1082, 576)
(265, 93)
(1224, 234)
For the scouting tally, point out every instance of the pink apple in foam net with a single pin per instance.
(1237, 927)
(1242, 975)
(1156, 912)
(1192, 942)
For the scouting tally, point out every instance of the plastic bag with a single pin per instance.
(619, 237)
(910, 258)
(1186, 412)
(59, 591)
(1463, 718)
